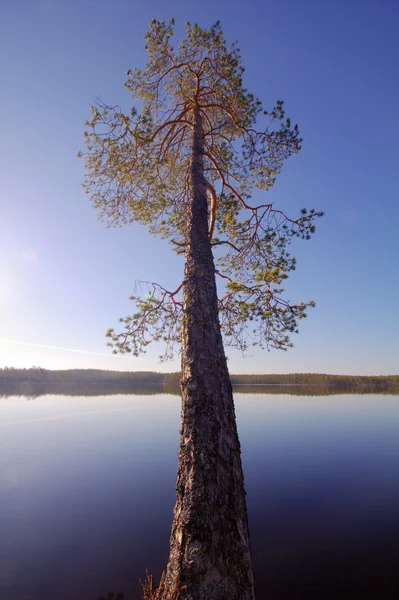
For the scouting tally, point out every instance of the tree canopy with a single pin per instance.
(138, 170)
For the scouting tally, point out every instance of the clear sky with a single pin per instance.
(65, 278)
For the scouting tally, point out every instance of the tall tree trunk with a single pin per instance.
(209, 548)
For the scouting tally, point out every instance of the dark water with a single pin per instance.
(87, 491)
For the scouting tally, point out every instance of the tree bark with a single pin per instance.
(209, 548)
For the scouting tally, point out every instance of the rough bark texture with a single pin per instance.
(209, 552)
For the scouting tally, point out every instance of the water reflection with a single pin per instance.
(87, 491)
(35, 389)
(323, 493)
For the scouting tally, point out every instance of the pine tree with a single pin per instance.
(185, 162)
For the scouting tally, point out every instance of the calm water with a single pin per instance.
(87, 492)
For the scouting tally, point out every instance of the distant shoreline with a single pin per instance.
(97, 381)
(275, 384)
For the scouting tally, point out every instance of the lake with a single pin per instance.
(87, 488)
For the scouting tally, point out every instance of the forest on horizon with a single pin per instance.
(98, 381)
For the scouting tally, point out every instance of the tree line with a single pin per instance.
(126, 380)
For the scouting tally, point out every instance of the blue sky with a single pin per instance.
(65, 278)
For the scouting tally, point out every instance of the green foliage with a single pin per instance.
(157, 319)
(138, 169)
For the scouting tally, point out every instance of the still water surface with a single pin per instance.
(87, 490)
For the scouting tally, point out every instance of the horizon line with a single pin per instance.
(178, 372)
